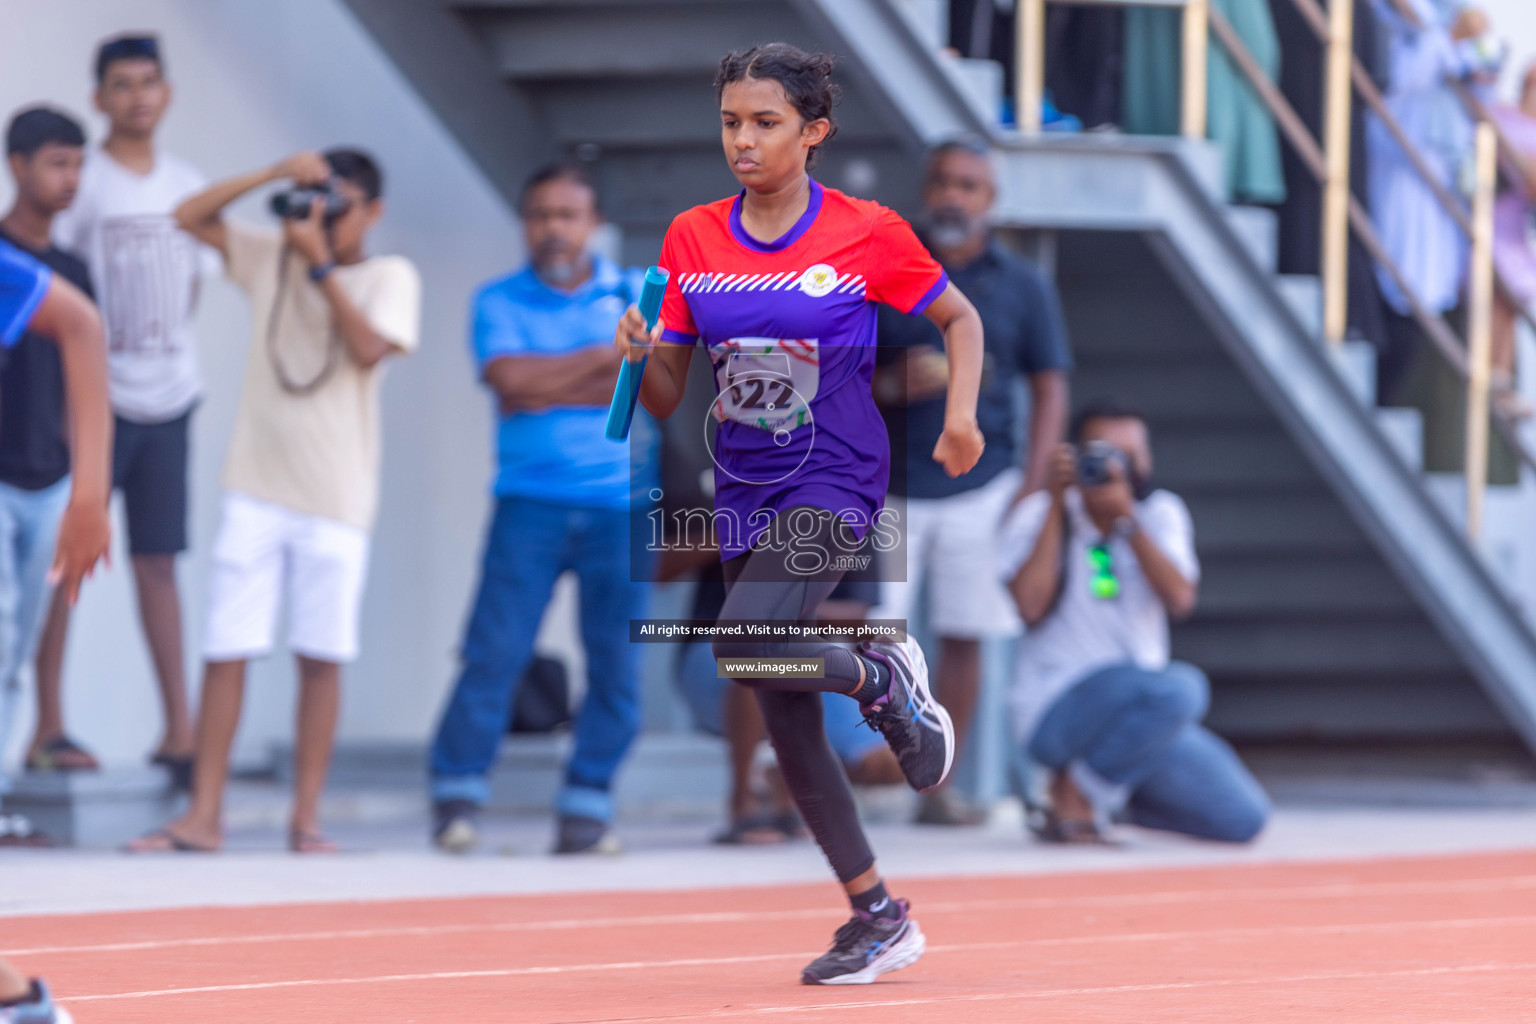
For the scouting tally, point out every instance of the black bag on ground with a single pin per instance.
(543, 699)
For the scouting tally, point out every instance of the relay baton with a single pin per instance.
(621, 411)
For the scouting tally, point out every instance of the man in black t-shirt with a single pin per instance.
(44, 150)
(951, 522)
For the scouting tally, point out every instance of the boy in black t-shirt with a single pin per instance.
(44, 150)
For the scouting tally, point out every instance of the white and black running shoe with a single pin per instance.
(916, 726)
(867, 947)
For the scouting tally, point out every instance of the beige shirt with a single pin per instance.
(315, 452)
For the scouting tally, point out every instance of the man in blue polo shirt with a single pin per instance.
(567, 498)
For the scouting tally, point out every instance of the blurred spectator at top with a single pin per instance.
(567, 499)
(1441, 42)
(951, 521)
(1513, 252)
(301, 480)
(44, 149)
(146, 274)
(1098, 564)
(1237, 118)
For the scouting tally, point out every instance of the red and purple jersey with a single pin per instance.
(790, 329)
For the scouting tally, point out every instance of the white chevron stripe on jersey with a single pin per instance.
(705, 282)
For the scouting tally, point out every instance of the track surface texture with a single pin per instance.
(1399, 940)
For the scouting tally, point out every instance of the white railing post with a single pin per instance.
(1029, 48)
(1197, 44)
(1336, 141)
(1480, 325)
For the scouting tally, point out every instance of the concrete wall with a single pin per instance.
(257, 79)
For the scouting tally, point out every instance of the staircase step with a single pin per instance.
(980, 82)
(1450, 492)
(677, 109)
(929, 20)
(1304, 294)
(1176, 389)
(1189, 458)
(1296, 521)
(1249, 586)
(1405, 430)
(1321, 646)
(1356, 362)
(619, 40)
(1259, 229)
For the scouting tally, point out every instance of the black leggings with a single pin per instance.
(765, 583)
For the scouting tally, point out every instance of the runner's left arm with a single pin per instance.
(960, 445)
(70, 319)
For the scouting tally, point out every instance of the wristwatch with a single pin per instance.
(318, 272)
(1124, 528)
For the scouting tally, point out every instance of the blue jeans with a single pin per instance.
(29, 533)
(530, 544)
(704, 693)
(1131, 738)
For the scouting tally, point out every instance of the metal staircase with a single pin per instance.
(1341, 596)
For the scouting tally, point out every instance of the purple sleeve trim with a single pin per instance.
(931, 294)
(678, 337)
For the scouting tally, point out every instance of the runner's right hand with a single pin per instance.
(631, 338)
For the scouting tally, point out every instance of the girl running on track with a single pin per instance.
(780, 283)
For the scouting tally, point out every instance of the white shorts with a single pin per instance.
(952, 547)
(265, 551)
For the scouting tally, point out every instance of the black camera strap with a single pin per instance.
(333, 346)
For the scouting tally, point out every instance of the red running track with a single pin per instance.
(1446, 939)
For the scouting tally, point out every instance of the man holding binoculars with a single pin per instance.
(302, 475)
(1097, 564)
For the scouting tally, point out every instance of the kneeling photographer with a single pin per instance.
(302, 475)
(1098, 563)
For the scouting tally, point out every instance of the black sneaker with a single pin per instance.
(585, 835)
(867, 947)
(455, 825)
(916, 726)
(39, 1008)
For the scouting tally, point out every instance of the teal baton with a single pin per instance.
(621, 411)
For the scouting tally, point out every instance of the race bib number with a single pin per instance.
(767, 383)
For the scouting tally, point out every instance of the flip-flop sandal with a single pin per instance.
(790, 824)
(310, 842)
(180, 768)
(1048, 827)
(62, 754)
(163, 840)
(16, 831)
(753, 830)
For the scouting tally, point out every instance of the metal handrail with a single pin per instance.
(1343, 212)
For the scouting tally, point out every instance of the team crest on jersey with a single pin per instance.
(819, 280)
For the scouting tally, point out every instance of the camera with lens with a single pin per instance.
(294, 203)
(1094, 462)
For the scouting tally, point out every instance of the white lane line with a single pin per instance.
(972, 947)
(1057, 993)
(1330, 891)
(508, 972)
